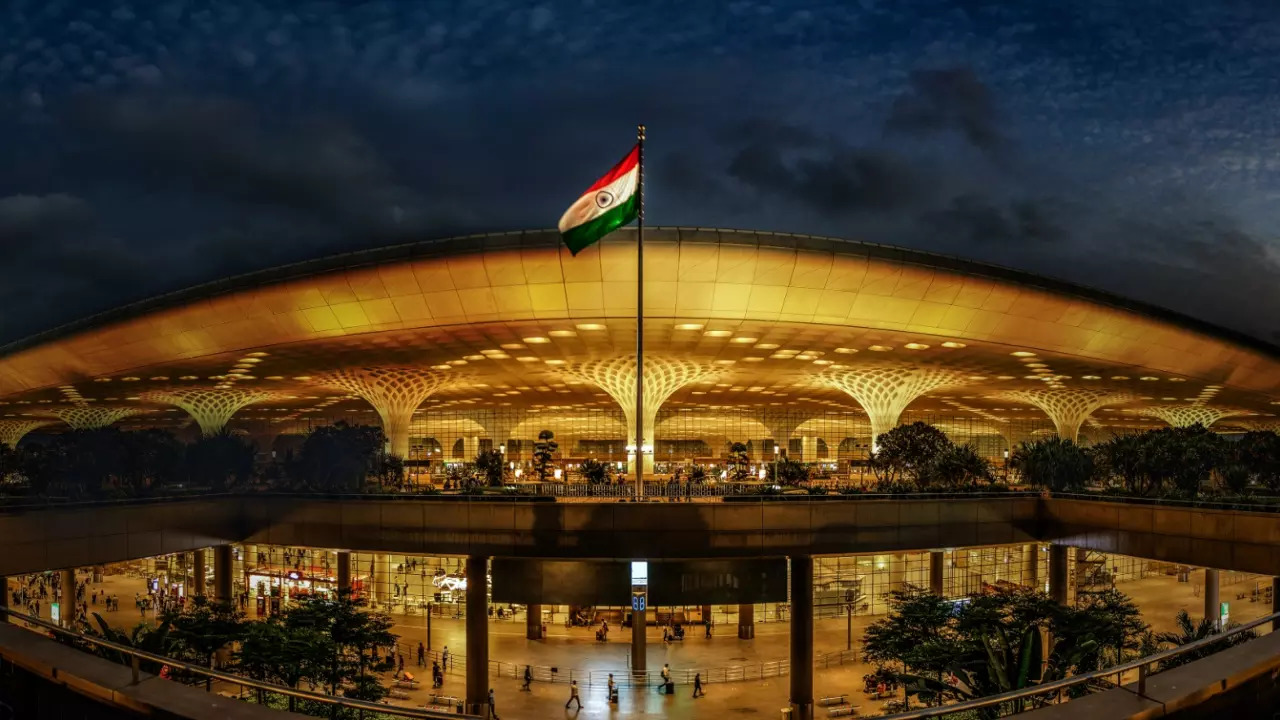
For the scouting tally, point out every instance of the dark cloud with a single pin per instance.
(29, 220)
(948, 99)
(976, 220)
(838, 181)
(317, 168)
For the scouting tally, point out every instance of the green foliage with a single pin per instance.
(920, 457)
(992, 643)
(1055, 463)
(544, 451)
(1190, 631)
(200, 631)
(596, 472)
(101, 462)
(220, 461)
(490, 467)
(154, 639)
(339, 457)
(697, 474)
(350, 634)
(1180, 461)
(1257, 454)
(739, 463)
(788, 472)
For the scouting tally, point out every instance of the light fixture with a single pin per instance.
(916, 346)
(689, 326)
(880, 348)
(953, 344)
(718, 333)
(590, 326)
(536, 340)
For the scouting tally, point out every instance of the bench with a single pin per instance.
(842, 711)
(833, 700)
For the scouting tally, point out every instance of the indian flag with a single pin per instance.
(606, 206)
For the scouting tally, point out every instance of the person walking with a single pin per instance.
(528, 679)
(573, 695)
(422, 656)
(613, 690)
(697, 686)
(493, 709)
(666, 679)
(444, 658)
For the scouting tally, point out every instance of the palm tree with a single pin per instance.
(1189, 632)
(1055, 463)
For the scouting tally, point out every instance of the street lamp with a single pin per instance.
(775, 465)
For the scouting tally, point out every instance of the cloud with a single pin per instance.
(319, 169)
(948, 99)
(29, 220)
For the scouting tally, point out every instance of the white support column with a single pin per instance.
(884, 391)
(395, 392)
(211, 408)
(1066, 407)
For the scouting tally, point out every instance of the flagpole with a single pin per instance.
(640, 314)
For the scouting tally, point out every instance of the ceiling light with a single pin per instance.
(689, 326)
(562, 333)
(1022, 353)
(554, 362)
(752, 359)
(916, 346)
(846, 351)
(744, 340)
(767, 346)
(527, 358)
(248, 360)
(953, 344)
(512, 346)
(880, 348)
(1148, 378)
(977, 377)
(590, 326)
(718, 333)
(536, 340)
(441, 367)
(1119, 377)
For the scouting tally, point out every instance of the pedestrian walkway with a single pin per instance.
(575, 650)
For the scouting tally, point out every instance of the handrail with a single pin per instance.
(1059, 685)
(1205, 504)
(394, 710)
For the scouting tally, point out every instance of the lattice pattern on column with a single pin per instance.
(89, 417)
(1067, 407)
(782, 424)
(1259, 424)
(884, 391)
(662, 377)
(395, 392)
(212, 408)
(12, 431)
(1187, 415)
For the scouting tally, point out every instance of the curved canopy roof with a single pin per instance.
(510, 315)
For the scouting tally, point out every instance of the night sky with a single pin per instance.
(1127, 145)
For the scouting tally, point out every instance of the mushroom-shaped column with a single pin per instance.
(1066, 407)
(1188, 415)
(211, 408)
(782, 425)
(395, 392)
(662, 377)
(90, 417)
(12, 431)
(884, 391)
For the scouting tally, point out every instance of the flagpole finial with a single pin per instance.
(640, 132)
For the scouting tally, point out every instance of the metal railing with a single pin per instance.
(1261, 504)
(1055, 692)
(370, 710)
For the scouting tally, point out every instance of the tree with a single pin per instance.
(489, 467)
(154, 639)
(338, 457)
(908, 453)
(788, 472)
(544, 451)
(1258, 454)
(1189, 631)
(739, 462)
(219, 461)
(1055, 463)
(274, 651)
(960, 466)
(992, 643)
(200, 631)
(1122, 458)
(1182, 459)
(351, 633)
(596, 472)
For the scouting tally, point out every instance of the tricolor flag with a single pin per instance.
(606, 206)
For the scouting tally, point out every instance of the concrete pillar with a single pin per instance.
(223, 569)
(1031, 566)
(936, 572)
(1275, 602)
(639, 641)
(197, 571)
(802, 637)
(67, 597)
(478, 635)
(380, 578)
(897, 572)
(533, 623)
(808, 449)
(471, 448)
(746, 621)
(1058, 573)
(344, 570)
(1211, 597)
